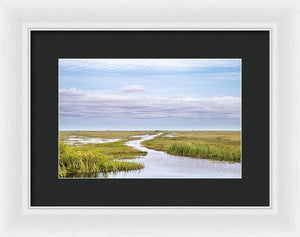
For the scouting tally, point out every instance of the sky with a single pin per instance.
(150, 94)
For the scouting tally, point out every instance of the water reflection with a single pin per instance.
(159, 164)
(78, 140)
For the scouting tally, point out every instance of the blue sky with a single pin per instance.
(149, 94)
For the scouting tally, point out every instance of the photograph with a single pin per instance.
(150, 118)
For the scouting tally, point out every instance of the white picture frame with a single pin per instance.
(18, 18)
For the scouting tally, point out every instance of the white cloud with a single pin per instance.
(146, 64)
(133, 88)
(74, 103)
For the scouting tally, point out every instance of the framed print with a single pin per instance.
(149, 118)
(169, 119)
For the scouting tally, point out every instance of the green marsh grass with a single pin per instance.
(116, 150)
(204, 150)
(215, 145)
(74, 162)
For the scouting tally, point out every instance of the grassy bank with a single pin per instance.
(74, 162)
(87, 160)
(115, 150)
(222, 146)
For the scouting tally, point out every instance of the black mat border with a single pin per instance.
(252, 46)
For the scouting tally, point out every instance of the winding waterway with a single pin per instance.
(159, 164)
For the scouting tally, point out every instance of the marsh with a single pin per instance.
(131, 157)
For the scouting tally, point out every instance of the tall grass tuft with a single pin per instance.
(72, 161)
(196, 149)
